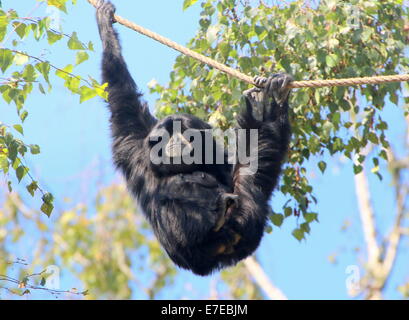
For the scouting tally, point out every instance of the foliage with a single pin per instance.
(17, 276)
(24, 74)
(108, 245)
(240, 283)
(329, 40)
(111, 251)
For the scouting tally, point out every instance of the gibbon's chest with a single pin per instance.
(198, 188)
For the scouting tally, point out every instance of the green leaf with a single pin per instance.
(327, 128)
(6, 59)
(74, 43)
(20, 29)
(305, 227)
(322, 165)
(298, 234)
(361, 158)
(12, 154)
(331, 60)
(34, 149)
(288, 211)
(358, 169)
(41, 88)
(32, 187)
(4, 163)
(375, 169)
(23, 115)
(277, 219)
(65, 73)
(383, 155)
(90, 46)
(310, 217)
(73, 84)
(48, 197)
(60, 4)
(81, 57)
(373, 138)
(188, 3)
(87, 93)
(47, 208)
(19, 128)
(53, 37)
(29, 73)
(44, 69)
(21, 172)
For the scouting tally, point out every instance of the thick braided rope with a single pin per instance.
(239, 75)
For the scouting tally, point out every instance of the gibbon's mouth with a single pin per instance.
(178, 146)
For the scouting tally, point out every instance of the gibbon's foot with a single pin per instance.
(227, 200)
(267, 91)
(228, 248)
(277, 86)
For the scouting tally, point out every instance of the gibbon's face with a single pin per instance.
(177, 144)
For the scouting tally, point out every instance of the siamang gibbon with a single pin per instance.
(205, 215)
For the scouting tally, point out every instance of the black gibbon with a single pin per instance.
(206, 216)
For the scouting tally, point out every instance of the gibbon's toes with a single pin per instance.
(277, 86)
(224, 250)
(221, 249)
(237, 238)
(259, 81)
(282, 81)
(231, 199)
(226, 201)
(249, 92)
(287, 79)
(219, 223)
(228, 248)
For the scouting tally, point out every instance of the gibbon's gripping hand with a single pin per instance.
(270, 93)
(105, 14)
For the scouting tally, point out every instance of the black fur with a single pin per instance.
(186, 204)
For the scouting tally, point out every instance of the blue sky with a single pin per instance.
(75, 157)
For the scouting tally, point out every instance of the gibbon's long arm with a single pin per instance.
(267, 112)
(130, 116)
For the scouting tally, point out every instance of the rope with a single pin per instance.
(239, 75)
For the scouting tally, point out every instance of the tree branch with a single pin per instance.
(262, 280)
(367, 217)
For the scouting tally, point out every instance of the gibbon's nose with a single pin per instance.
(178, 146)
